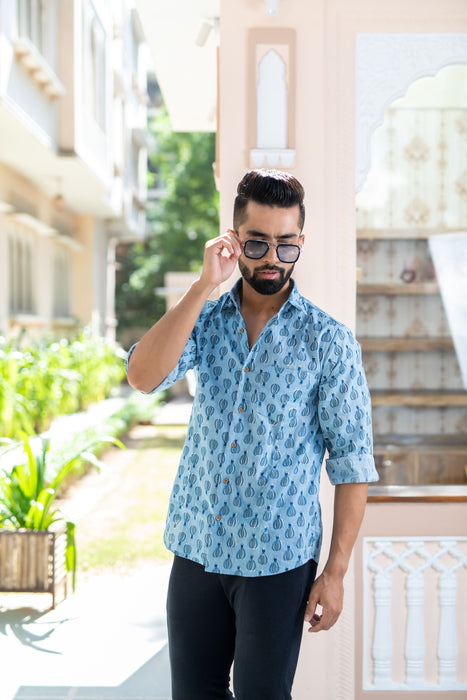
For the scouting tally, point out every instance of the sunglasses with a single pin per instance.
(286, 252)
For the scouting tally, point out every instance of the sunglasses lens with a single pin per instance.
(288, 253)
(255, 249)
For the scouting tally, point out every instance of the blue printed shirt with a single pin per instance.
(245, 498)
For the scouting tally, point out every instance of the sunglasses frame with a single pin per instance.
(277, 246)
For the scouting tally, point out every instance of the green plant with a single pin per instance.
(40, 380)
(27, 494)
(14, 411)
(99, 367)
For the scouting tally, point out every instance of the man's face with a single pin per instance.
(269, 275)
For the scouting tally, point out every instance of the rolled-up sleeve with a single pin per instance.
(345, 412)
(187, 361)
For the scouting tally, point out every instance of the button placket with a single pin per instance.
(241, 399)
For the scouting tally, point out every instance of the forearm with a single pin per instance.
(159, 350)
(328, 589)
(349, 508)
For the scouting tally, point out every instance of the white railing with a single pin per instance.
(415, 613)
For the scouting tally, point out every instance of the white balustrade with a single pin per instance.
(447, 638)
(415, 633)
(382, 641)
(417, 560)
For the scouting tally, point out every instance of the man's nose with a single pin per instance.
(271, 255)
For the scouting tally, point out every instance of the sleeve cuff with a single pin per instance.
(352, 470)
(127, 360)
(178, 372)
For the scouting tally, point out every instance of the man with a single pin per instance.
(278, 382)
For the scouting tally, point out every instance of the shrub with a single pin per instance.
(39, 381)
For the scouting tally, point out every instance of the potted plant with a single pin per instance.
(37, 542)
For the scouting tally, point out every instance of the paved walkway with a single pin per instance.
(175, 412)
(107, 641)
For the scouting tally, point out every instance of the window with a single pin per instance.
(32, 22)
(61, 286)
(135, 165)
(20, 250)
(94, 63)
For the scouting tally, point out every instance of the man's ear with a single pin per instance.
(301, 240)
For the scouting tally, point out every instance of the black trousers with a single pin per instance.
(217, 619)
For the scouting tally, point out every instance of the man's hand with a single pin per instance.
(327, 592)
(161, 347)
(220, 257)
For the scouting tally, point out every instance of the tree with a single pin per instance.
(181, 221)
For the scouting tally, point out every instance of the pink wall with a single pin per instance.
(325, 164)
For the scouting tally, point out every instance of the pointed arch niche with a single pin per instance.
(271, 98)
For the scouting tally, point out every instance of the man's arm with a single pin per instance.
(159, 350)
(328, 589)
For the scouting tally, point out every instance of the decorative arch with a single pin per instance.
(386, 65)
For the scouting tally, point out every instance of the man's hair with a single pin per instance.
(272, 187)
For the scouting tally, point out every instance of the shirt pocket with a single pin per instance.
(271, 393)
(285, 407)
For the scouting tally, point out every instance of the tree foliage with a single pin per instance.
(181, 221)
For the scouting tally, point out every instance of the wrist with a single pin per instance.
(203, 287)
(336, 568)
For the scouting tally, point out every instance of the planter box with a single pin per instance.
(33, 561)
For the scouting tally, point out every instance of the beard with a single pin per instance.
(264, 286)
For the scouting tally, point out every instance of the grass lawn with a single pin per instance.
(125, 524)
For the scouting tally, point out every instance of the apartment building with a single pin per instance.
(73, 154)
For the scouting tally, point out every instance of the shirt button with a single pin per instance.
(226, 481)
(218, 517)
(247, 369)
(234, 444)
(240, 410)
(241, 330)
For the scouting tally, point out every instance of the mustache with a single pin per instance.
(269, 268)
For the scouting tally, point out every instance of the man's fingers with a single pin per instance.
(321, 625)
(326, 593)
(234, 240)
(311, 611)
(324, 621)
(227, 245)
